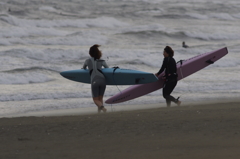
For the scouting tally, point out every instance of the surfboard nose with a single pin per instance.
(63, 73)
(67, 74)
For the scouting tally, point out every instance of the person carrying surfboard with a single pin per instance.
(98, 82)
(170, 77)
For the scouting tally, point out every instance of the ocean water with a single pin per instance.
(40, 38)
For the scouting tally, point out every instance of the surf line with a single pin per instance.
(115, 68)
(180, 68)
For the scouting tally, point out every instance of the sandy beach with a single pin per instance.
(186, 132)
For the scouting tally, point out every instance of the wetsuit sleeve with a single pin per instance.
(105, 64)
(85, 65)
(164, 65)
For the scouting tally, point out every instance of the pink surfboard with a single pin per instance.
(184, 69)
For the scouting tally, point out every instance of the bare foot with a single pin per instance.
(179, 103)
(102, 108)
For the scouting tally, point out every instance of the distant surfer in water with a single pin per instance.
(98, 82)
(184, 45)
(170, 77)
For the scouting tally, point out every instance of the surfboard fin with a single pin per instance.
(180, 61)
(137, 80)
(209, 61)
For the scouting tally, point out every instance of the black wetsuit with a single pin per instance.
(169, 66)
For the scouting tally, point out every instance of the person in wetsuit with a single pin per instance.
(98, 82)
(170, 77)
(184, 45)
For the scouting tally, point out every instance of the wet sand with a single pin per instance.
(186, 132)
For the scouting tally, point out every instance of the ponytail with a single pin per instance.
(169, 51)
(95, 52)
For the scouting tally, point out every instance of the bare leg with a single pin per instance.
(99, 102)
(100, 99)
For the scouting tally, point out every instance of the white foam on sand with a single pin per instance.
(93, 110)
(85, 111)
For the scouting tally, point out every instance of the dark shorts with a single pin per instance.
(98, 87)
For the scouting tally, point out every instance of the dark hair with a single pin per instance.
(169, 51)
(95, 52)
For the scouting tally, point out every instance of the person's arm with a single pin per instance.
(85, 65)
(105, 64)
(164, 65)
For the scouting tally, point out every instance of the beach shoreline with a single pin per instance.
(200, 131)
(112, 108)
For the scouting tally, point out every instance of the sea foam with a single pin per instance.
(101, 22)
